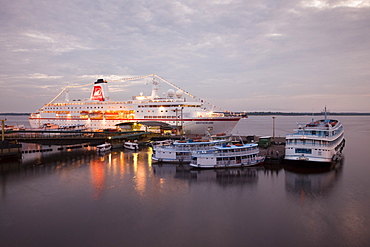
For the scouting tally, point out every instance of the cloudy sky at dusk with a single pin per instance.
(273, 55)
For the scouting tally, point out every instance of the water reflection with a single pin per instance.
(227, 177)
(137, 167)
(97, 176)
(222, 177)
(311, 181)
(140, 178)
(40, 166)
(54, 154)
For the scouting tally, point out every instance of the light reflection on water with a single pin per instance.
(98, 176)
(121, 198)
(313, 182)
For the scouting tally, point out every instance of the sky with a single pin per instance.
(240, 55)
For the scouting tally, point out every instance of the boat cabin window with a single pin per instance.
(303, 151)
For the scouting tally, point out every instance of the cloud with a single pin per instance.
(232, 53)
(43, 76)
(322, 4)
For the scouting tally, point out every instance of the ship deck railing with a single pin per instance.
(300, 135)
(218, 153)
(177, 148)
(309, 143)
(229, 161)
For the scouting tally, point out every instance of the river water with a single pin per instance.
(79, 198)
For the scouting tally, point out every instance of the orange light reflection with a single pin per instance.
(98, 177)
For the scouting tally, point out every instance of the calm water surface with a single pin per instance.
(121, 199)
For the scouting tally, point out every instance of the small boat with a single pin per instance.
(14, 127)
(318, 141)
(131, 145)
(103, 147)
(180, 151)
(227, 156)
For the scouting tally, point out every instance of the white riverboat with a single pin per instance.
(180, 109)
(180, 151)
(227, 156)
(317, 141)
(103, 147)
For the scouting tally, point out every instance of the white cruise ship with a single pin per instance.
(100, 112)
(317, 141)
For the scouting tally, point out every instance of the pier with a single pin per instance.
(274, 151)
(54, 137)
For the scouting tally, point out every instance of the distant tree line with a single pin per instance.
(15, 114)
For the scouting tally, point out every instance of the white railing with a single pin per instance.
(313, 143)
(180, 148)
(225, 154)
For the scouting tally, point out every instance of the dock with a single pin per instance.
(54, 137)
(274, 151)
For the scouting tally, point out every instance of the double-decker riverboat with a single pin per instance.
(317, 141)
(227, 156)
(180, 151)
(187, 113)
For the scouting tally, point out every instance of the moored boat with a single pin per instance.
(227, 156)
(317, 141)
(103, 147)
(180, 151)
(131, 145)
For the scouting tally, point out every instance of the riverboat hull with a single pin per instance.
(256, 161)
(227, 156)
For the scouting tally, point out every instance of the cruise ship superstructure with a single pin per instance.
(317, 141)
(100, 112)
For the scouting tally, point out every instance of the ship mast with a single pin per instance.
(141, 77)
